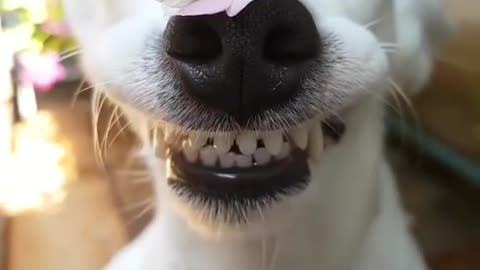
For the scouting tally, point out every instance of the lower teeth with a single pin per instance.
(247, 149)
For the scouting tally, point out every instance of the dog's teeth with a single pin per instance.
(208, 155)
(190, 153)
(273, 142)
(227, 160)
(300, 137)
(262, 156)
(316, 142)
(223, 143)
(243, 161)
(197, 140)
(247, 143)
(286, 149)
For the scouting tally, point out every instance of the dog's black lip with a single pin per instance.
(224, 186)
(231, 193)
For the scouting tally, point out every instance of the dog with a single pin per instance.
(263, 131)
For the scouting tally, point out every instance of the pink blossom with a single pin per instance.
(207, 7)
(60, 29)
(43, 71)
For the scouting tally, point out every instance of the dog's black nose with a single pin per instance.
(247, 64)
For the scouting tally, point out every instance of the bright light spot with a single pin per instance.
(38, 171)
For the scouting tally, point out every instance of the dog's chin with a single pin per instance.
(243, 181)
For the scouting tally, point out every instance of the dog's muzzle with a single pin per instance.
(244, 67)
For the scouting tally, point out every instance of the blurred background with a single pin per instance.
(61, 209)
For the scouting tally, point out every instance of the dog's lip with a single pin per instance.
(256, 183)
(223, 184)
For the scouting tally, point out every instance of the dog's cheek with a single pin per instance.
(116, 61)
(421, 29)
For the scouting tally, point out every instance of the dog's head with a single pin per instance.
(247, 110)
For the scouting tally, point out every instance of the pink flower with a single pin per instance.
(43, 71)
(207, 7)
(60, 29)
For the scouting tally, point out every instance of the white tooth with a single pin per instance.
(300, 137)
(223, 143)
(316, 142)
(273, 142)
(247, 142)
(262, 156)
(286, 149)
(197, 140)
(208, 155)
(191, 154)
(227, 160)
(243, 161)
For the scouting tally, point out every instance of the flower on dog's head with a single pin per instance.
(208, 7)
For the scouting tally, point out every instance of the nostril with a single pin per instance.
(290, 44)
(192, 42)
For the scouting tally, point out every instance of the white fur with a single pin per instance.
(349, 217)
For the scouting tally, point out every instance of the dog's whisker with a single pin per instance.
(275, 253)
(98, 112)
(374, 23)
(92, 87)
(264, 238)
(70, 54)
(398, 90)
(77, 92)
(133, 172)
(111, 122)
(71, 50)
(382, 99)
(95, 105)
(149, 207)
(142, 180)
(389, 45)
(140, 204)
(117, 135)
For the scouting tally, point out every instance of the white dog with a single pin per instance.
(264, 130)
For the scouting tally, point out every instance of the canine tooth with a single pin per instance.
(227, 160)
(223, 143)
(197, 140)
(247, 143)
(190, 153)
(316, 142)
(208, 155)
(286, 149)
(273, 142)
(262, 156)
(243, 161)
(300, 137)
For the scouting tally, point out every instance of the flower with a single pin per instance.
(59, 29)
(43, 71)
(206, 7)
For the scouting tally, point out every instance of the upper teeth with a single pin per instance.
(244, 150)
(273, 142)
(247, 142)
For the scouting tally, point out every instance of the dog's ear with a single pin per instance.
(421, 29)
